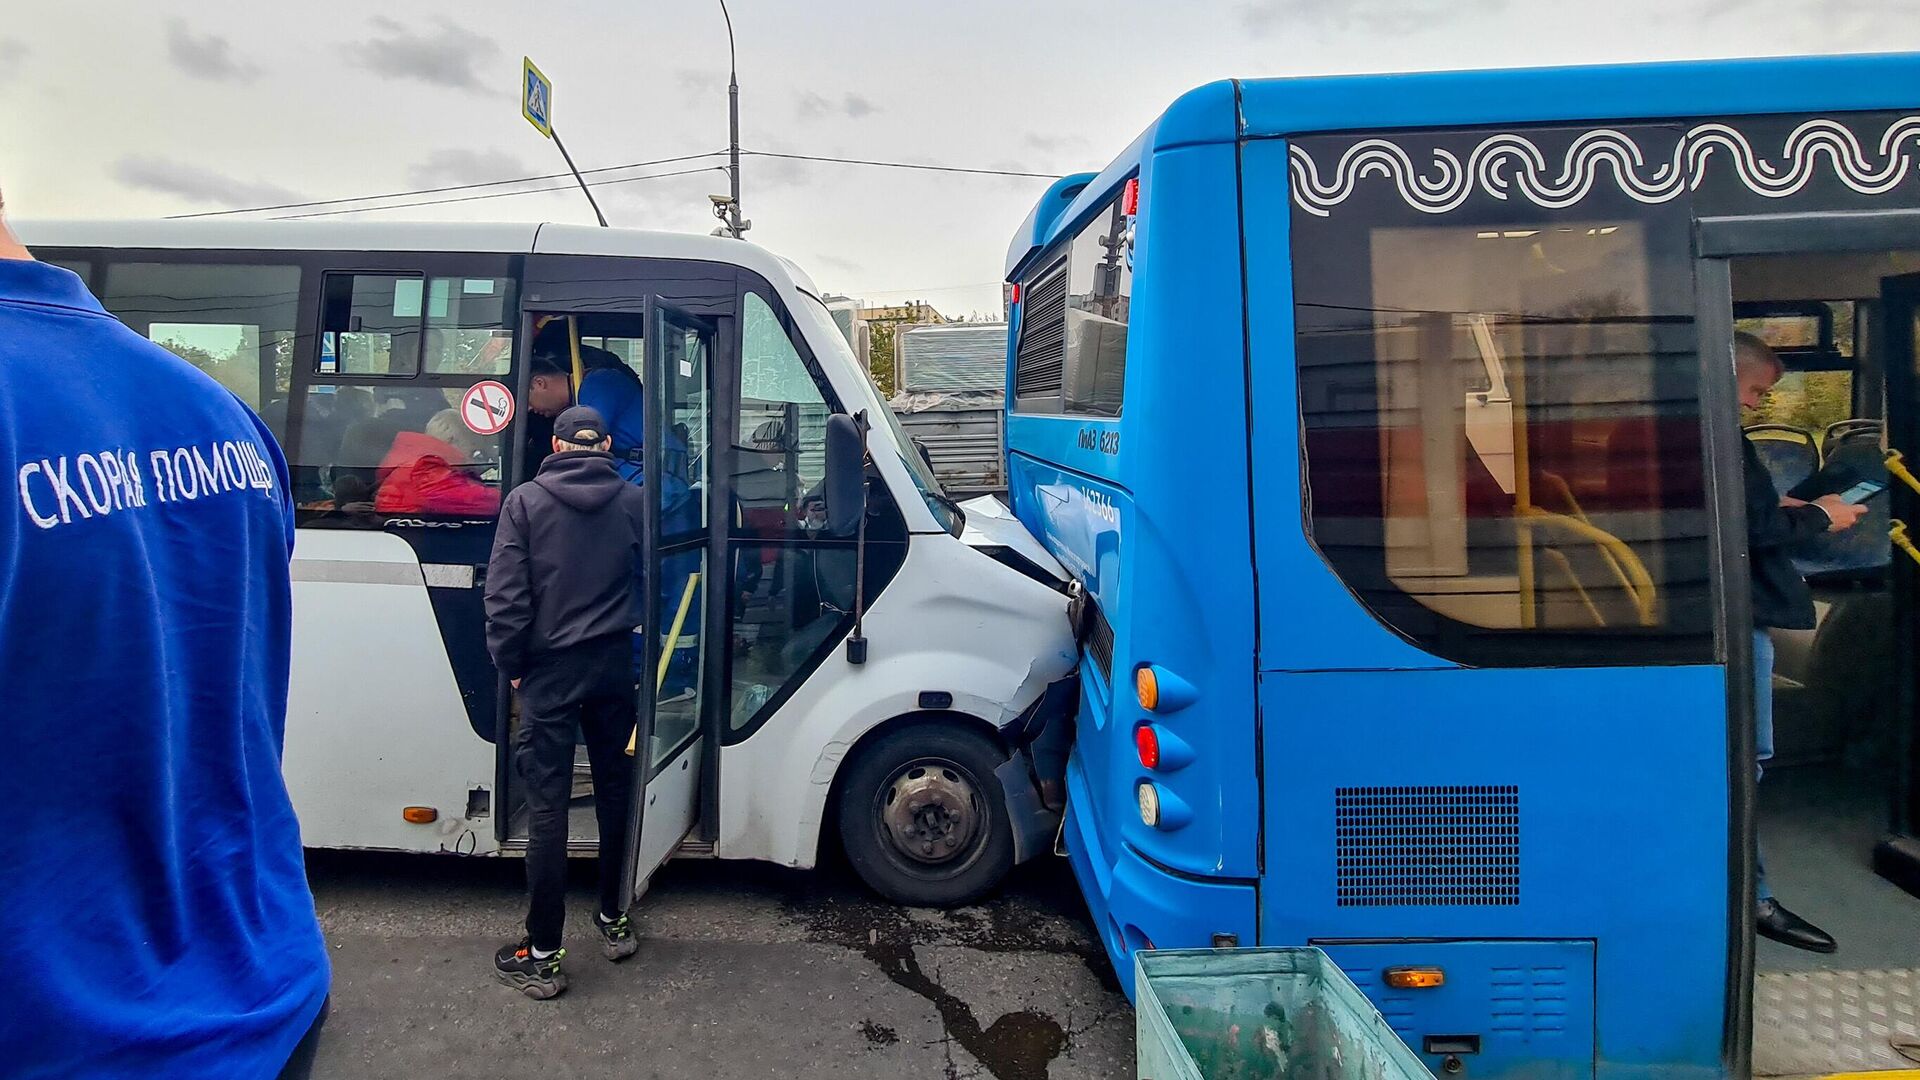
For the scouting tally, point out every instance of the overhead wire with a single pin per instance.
(451, 187)
(903, 165)
(489, 195)
(411, 194)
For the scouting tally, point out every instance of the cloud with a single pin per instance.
(837, 262)
(1265, 18)
(851, 106)
(13, 54)
(447, 55)
(206, 56)
(194, 182)
(698, 85)
(758, 171)
(461, 166)
(1054, 144)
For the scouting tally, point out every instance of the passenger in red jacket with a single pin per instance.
(435, 472)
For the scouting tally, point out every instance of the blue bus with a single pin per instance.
(1390, 426)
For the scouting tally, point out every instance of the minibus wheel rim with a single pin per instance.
(931, 810)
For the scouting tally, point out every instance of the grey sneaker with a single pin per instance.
(540, 979)
(616, 937)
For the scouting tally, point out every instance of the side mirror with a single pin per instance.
(845, 486)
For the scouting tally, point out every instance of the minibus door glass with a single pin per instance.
(669, 739)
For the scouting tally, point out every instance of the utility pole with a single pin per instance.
(733, 125)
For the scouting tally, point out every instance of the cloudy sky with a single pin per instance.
(112, 108)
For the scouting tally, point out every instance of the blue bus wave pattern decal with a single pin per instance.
(1507, 162)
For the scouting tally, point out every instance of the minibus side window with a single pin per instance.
(793, 582)
(404, 324)
(382, 435)
(233, 321)
(371, 450)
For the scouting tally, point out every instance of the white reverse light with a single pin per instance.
(1149, 797)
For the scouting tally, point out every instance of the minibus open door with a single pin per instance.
(670, 695)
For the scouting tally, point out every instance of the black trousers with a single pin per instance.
(588, 689)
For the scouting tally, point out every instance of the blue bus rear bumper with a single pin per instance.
(1135, 904)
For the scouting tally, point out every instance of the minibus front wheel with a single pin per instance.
(922, 816)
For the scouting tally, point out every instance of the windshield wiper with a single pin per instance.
(960, 516)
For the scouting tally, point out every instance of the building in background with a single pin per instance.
(913, 311)
(950, 357)
(951, 380)
(846, 315)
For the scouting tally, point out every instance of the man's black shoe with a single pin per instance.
(540, 979)
(1776, 922)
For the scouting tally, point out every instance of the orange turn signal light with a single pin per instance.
(1146, 687)
(1415, 978)
(420, 815)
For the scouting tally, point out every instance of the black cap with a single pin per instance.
(581, 425)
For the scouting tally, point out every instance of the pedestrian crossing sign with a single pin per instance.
(536, 97)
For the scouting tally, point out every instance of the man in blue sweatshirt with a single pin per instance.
(154, 881)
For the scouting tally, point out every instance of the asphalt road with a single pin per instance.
(743, 971)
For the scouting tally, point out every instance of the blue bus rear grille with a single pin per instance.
(1529, 1001)
(1448, 846)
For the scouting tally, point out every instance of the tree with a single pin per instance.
(880, 338)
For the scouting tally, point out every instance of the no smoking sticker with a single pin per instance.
(487, 408)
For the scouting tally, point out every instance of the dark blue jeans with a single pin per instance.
(1762, 734)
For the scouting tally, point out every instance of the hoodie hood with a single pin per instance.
(583, 479)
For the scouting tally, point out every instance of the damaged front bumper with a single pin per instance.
(1034, 775)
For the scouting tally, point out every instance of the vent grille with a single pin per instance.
(1099, 641)
(1040, 361)
(1452, 846)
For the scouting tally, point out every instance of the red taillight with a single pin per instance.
(1015, 298)
(1147, 741)
(1130, 198)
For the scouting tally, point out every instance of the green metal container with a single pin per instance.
(1250, 1014)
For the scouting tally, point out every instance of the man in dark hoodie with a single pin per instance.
(563, 599)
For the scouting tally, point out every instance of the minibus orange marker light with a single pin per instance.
(1416, 978)
(420, 815)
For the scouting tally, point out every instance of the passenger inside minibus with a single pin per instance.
(1834, 801)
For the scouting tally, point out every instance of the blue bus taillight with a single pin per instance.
(1161, 749)
(1147, 742)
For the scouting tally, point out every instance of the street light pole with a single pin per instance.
(733, 125)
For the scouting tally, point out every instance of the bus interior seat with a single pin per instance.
(1853, 429)
(1860, 555)
(1833, 685)
(1789, 453)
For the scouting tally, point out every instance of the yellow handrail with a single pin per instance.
(1897, 532)
(1586, 601)
(573, 346)
(1897, 465)
(666, 654)
(1627, 567)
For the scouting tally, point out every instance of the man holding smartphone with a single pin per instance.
(1781, 599)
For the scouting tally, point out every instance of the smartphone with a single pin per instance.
(1862, 491)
